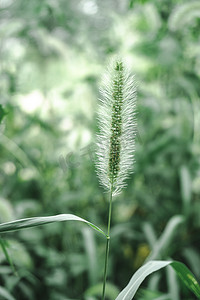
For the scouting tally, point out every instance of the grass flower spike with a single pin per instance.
(116, 140)
(117, 124)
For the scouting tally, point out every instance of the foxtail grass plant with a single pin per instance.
(115, 157)
(116, 138)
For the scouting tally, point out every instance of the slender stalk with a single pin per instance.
(107, 243)
(116, 138)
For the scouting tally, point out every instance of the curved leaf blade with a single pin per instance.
(129, 291)
(38, 221)
(187, 277)
(166, 237)
(182, 271)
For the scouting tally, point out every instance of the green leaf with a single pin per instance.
(131, 3)
(5, 294)
(182, 271)
(9, 259)
(187, 277)
(138, 278)
(186, 188)
(37, 221)
(166, 237)
(2, 113)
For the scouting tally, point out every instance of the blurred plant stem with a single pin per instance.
(9, 259)
(107, 243)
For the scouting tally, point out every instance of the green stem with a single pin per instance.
(107, 244)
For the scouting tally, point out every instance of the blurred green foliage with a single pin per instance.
(52, 55)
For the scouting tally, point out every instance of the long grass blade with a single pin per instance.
(182, 271)
(166, 237)
(38, 221)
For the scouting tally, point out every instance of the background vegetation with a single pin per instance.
(52, 55)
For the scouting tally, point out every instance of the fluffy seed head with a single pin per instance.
(117, 126)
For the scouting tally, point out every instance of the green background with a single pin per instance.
(52, 57)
